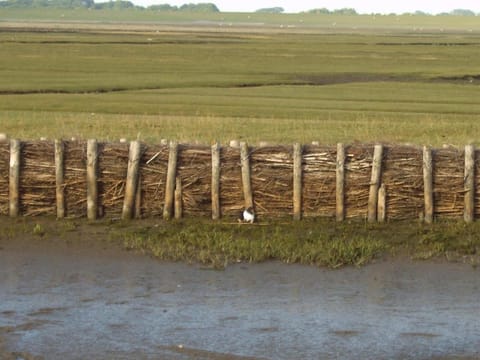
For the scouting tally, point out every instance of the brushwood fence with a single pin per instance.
(132, 180)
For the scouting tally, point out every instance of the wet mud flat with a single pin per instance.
(76, 300)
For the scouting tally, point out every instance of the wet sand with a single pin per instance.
(72, 299)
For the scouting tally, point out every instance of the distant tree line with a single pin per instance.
(273, 10)
(112, 4)
(325, 11)
(349, 11)
(200, 7)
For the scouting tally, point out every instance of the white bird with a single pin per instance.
(248, 215)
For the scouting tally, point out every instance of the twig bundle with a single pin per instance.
(153, 174)
(477, 182)
(37, 178)
(231, 195)
(403, 180)
(4, 171)
(358, 166)
(75, 182)
(112, 176)
(271, 169)
(319, 177)
(448, 173)
(272, 180)
(195, 170)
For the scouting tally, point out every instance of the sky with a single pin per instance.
(362, 6)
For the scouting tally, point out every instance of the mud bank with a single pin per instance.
(63, 299)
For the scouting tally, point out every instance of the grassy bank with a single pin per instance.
(429, 129)
(321, 242)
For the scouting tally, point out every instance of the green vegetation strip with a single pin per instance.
(320, 242)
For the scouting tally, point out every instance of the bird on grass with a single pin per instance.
(247, 216)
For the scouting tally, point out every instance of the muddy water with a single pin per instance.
(63, 302)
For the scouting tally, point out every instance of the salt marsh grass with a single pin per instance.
(200, 84)
(435, 130)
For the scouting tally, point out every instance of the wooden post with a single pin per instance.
(469, 184)
(216, 182)
(375, 183)
(382, 204)
(92, 186)
(178, 199)
(59, 179)
(132, 180)
(170, 184)
(340, 184)
(245, 164)
(297, 181)
(428, 184)
(14, 178)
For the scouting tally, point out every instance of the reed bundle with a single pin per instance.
(75, 183)
(195, 170)
(319, 166)
(4, 171)
(448, 175)
(112, 173)
(477, 181)
(231, 195)
(358, 165)
(153, 173)
(403, 180)
(37, 179)
(271, 178)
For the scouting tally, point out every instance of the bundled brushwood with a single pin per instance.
(358, 167)
(448, 185)
(231, 194)
(319, 181)
(4, 174)
(194, 167)
(477, 182)
(113, 163)
(75, 178)
(402, 175)
(271, 171)
(153, 175)
(272, 180)
(37, 178)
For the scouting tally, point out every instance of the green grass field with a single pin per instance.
(255, 77)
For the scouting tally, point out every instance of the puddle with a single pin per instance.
(70, 304)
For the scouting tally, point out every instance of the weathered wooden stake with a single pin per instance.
(340, 184)
(59, 179)
(178, 198)
(297, 181)
(382, 204)
(428, 184)
(170, 184)
(216, 182)
(469, 183)
(246, 182)
(92, 186)
(14, 178)
(132, 180)
(375, 183)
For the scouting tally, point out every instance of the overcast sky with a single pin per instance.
(362, 6)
